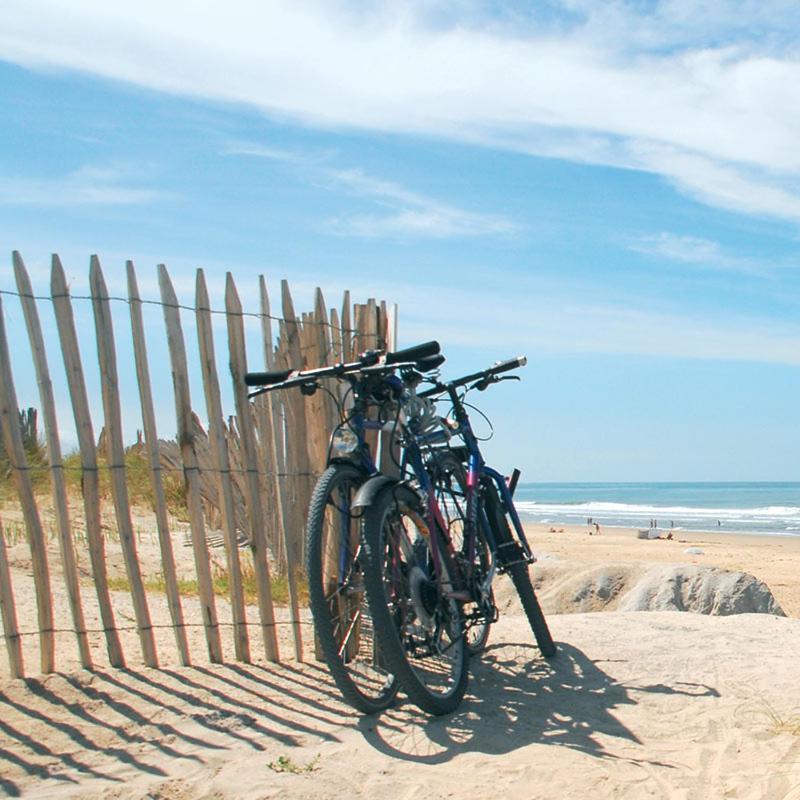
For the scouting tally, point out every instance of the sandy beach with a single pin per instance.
(639, 705)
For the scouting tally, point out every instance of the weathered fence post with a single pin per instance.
(219, 449)
(297, 433)
(9, 613)
(90, 479)
(348, 349)
(183, 413)
(270, 431)
(9, 417)
(327, 356)
(54, 455)
(255, 513)
(107, 360)
(151, 443)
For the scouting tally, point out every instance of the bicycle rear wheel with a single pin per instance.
(518, 571)
(342, 621)
(421, 631)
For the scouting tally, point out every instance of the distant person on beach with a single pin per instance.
(597, 528)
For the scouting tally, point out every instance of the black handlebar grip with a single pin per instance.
(266, 378)
(430, 363)
(415, 353)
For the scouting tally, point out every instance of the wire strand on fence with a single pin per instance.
(176, 470)
(164, 626)
(181, 306)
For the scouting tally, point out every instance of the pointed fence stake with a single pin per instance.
(12, 435)
(54, 455)
(107, 360)
(183, 414)
(255, 513)
(219, 447)
(151, 444)
(90, 483)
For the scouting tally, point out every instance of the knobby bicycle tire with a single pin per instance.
(421, 632)
(519, 573)
(335, 565)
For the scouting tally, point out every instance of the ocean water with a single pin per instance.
(734, 507)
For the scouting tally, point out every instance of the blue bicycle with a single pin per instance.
(428, 582)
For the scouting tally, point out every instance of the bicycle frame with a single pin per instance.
(476, 474)
(478, 469)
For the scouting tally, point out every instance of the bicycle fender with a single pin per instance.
(369, 491)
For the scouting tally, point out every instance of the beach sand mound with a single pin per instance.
(570, 587)
(703, 590)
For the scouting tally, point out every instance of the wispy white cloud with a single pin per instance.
(703, 253)
(403, 213)
(304, 158)
(86, 186)
(553, 323)
(408, 213)
(737, 188)
(705, 96)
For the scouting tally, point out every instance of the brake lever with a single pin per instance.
(483, 384)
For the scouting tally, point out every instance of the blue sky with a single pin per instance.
(611, 189)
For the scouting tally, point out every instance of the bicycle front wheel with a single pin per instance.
(420, 629)
(335, 562)
(518, 571)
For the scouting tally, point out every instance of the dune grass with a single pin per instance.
(138, 481)
(761, 712)
(790, 724)
(220, 580)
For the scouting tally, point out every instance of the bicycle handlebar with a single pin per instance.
(266, 378)
(430, 363)
(495, 369)
(416, 353)
(425, 356)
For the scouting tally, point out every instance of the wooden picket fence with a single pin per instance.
(259, 463)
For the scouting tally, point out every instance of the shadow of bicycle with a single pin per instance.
(515, 698)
